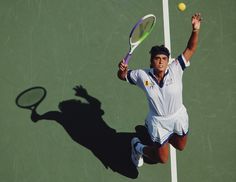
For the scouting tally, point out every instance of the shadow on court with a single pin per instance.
(84, 123)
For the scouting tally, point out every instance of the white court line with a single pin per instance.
(165, 6)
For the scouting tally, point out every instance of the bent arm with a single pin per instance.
(193, 40)
(51, 115)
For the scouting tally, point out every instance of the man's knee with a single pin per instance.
(162, 154)
(180, 147)
(163, 159)
(160, 159)
(178, 142)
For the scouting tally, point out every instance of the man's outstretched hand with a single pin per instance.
(196, 21)
(80, 91)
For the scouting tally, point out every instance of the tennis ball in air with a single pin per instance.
(181, 6)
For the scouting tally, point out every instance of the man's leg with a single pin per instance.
(156, 153)
(179, 142)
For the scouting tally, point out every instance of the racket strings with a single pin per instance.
(30, 97)
(144, 28)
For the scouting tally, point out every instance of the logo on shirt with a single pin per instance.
(148, 83)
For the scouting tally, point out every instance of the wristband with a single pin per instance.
(196, 30)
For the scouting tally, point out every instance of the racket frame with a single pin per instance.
(32, 106)
(133, 46)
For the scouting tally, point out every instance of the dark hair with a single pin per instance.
(159, 50)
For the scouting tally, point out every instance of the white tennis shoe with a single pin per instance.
(136, 157)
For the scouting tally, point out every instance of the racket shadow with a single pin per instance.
(85, 125)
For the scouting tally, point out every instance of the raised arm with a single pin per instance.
(193, 40)
(123, 70)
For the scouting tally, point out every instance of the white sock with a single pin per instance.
(139, 148)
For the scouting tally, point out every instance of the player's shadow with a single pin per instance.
(85, 125)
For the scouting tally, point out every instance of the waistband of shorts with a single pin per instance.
(167, 117)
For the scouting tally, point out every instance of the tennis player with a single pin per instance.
(167, 120)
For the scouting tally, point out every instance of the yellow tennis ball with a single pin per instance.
(181, 6)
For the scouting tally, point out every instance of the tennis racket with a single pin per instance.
(31, 98)
(139, 32)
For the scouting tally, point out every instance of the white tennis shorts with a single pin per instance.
(160, 128)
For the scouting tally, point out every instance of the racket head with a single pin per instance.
(31, 98)
(141, 30)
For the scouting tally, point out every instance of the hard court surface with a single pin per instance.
(59, 44)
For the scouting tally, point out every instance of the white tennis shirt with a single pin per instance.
(166, 98)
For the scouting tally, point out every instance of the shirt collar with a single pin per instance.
(151, 73)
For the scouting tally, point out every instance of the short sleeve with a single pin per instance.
(132, 76)
(137, 77)
(182, 61)
(179, 65)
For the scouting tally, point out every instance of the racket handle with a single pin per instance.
(127, 57)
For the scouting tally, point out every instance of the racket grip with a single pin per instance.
(127, 57)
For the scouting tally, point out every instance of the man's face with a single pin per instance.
(160, 62)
